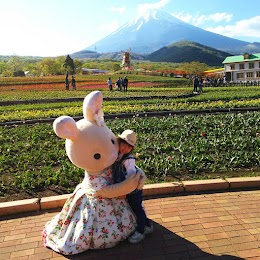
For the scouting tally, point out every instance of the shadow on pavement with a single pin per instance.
(162, 244)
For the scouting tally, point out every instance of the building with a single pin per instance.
(242, 68)
(94, 71)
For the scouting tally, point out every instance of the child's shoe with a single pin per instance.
(136, 237)
(148, 230)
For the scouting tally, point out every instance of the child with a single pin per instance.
(73, 83)
(122, 168)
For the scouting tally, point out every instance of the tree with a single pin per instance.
(33, 68)
(116, 67)
(2, 67)
(78, 65)
(49, 66)
(69, 65)
(194, 67)
(14, 64)
(61, 60)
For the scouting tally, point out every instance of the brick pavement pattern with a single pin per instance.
(223, 225)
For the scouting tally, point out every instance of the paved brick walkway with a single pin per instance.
(204, 226)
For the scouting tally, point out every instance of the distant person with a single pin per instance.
(73, 83)
(195, 84)
(110, 84)
(119, 84)
(215, 82)
(67, 84)
(225, 80)
(125, 83)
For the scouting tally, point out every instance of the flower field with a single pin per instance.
(212, 98)
(174, 148)
(54, 87)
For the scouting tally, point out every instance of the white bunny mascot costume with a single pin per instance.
(94, 216)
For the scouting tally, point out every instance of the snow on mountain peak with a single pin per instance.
(153, 14)
(150, 14)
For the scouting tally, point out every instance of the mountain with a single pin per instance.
(186, 51)
(156, 29)
(85, 54)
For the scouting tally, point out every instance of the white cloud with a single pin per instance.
(199, 19)
(143, 8)
(243, 28)
(219, 17)
(119, 10)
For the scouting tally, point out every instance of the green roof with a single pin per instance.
(240, 58)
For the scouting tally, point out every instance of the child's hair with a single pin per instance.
(120, 140)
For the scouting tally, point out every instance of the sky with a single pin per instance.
(50, 28)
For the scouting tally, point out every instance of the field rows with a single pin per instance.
(52, 110)
(33, 158)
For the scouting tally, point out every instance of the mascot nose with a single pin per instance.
(97, 156)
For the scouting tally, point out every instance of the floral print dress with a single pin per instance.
(88, 222)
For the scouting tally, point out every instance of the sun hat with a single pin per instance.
(129, 136)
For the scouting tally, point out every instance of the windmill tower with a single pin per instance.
(126, 64)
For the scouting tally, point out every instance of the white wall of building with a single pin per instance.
(243, 71)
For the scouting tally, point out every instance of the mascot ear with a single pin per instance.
(65, 127)
(92, 108)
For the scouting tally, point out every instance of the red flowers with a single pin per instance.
(203, 134)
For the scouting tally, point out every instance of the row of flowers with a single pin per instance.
(61, 86)
(26, 112)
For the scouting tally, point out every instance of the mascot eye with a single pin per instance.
(97, 156)
(112, 141)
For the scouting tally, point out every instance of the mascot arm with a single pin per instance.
(119, 189)
(142, 178)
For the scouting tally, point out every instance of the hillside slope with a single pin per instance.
(187, 51)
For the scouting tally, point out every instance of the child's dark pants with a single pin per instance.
(135, 201)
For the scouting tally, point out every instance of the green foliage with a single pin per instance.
(33, 158)
(78, 66)
(69, 65)
(15, 63)
(176, 147)
(57, 66)
(2, 67)
(49, 66)
(194, 68)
